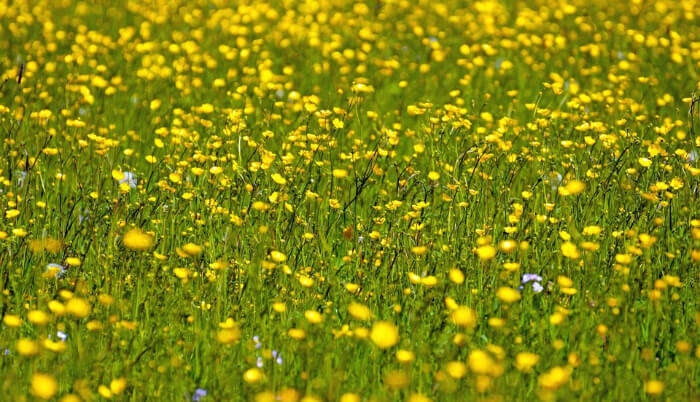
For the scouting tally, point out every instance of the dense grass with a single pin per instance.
(341, 201)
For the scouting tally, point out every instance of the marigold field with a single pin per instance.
(382, 200)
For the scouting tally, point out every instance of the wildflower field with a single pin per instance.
(381, 200)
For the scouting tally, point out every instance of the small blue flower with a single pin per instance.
(199, 393)
(277, 356)
(531, 277)
(62, 335)
(497, 63)
(61, 269)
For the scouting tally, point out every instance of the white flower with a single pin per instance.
(130, 179)
(20, 180)
(83, 216)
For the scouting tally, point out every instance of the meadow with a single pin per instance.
(381, 200)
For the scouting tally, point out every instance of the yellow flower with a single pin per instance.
(70, 398)
(683, 347)
(361, 333)
(569, 291)
(555, 378)
(94, 325)
(486, 252)
(44, 386)
(419, 250)
(52, 245)
(175, 178)
(350, 397)
(278, 256)
(253, 375)
(38, 317)
(313, 316)
(646, 240)
(653, 387)
(105, 299)
(565, 281)
(73, 261)
(56, 347)
(117, 175)
(508, 246)
(524, 361)
(511, 266)
(340, 173)
(279, 307)
(359, 311)
(429, 281)
(192, 250)
(277, 178)
(456, 276)
(396, 379)
(569, 250)
(104, 392)
(136, 239)
(78, 307)
(644, 162)
(418, 398)
(592, 230)
(260, 206)
(27, 347)
(405, 356)
(456, 369)
(296, 333)
(384, 334)
(229, 335)
(497, 322)
(181, 273)
(306, 281)
(575, 187)
(480, 362)
(12, 320)
(508, 295)
(676, 183)
(464, 317)
(118, 385)
(557, 318)
(623, 259)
